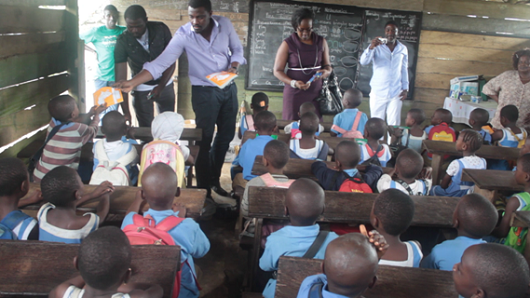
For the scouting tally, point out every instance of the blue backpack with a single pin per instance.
(8, 224)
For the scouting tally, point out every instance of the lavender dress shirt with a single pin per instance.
(204, 57)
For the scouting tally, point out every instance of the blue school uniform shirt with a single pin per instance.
(248, 153)
(448, 253)
(309, 281)
(125, 147)
(193, 244)
(346, 118)
(384, 154)
(49, 232)
(289, 241)
(25, 225)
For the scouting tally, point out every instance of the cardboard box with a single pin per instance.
(469, 85)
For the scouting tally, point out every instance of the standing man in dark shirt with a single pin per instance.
(142, 42)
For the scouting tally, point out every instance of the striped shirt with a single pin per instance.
(64, 149)
(49, 232)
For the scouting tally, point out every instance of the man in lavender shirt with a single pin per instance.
(211, 45)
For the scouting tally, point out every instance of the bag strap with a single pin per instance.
(408, 138)
(36, 157)
(317, 244)
(126, 159)
(406, 186)
(169, 223)
(250, 122)
(356, 122)
(14, 219)
(316, 290)
(339, 129)
(100, 151)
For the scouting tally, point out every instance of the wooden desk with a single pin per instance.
(490, 182)
(439, 149)
(283, 123)
(144, 134)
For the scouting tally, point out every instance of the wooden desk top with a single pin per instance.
(486, 151)
(521, 219)
(144, 134)
(492, 179)
(283, 123)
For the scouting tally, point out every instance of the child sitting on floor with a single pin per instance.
(347, 155)
(493, 271)
(159, 188)
(260, 102)
(14, 185)
(349, 267)
(413, 137)
(64, 148)
(473, 218)
(104, 261)
(304, 203)
(510, 136)
(115, 157)
(468, 142)
(391, 215)
(374, 152)
(308, 147)
(62, 189)
(294, 129)
(409, 165)
(350, 122)
(478, 118)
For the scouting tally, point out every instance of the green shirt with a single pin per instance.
(104, 40)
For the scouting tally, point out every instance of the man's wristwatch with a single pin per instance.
(293, 84)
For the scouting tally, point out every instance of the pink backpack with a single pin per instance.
(353, 133)
(271, 182)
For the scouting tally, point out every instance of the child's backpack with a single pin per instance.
(353, 132)
(355, 184)
(271, 182)
(8, 224)
(144, 231)
(164, 152)
(374, 159)
(407, 187)
(441, 132)
(113, 171)
(516, 238)
(296, 133)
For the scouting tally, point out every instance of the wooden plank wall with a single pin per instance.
(34, 60)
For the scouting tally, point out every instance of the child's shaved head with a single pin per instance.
(307, 107)
(352, 98)
(305, 202)
(350, 264)
(62, 107)
(276, 153)
(265, 121)
(13, 173)
(59, 186)
(394, 209)
(510, 112)
(348, 153)
(409, 163)
(442, 115)
(480, 116)
(524, 163)
(376, 128)
(309, 123)
(418, 115)
(159, 185)
(113, 124)
(476, 215)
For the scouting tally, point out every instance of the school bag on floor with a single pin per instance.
(164, 152)
(113, 171)
(144, 231)
(441, 132)
(516, 238)
(353, 132)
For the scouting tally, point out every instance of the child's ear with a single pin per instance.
(374, 221)
(286, 211)
(177, 193)
(322, 267)
(464, 146)
(338, 165)
(264, 161)
(127, 276)
(143, 194)
(24, 187)
(76, 266)
(479, 293)
(372, 284)
(455, 223)
(78, 194)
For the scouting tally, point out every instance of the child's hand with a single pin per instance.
(426, 173)
(377, 240)
(100, 108)
(104, 188)
(34, 197)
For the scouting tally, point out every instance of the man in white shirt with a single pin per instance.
(390, 80)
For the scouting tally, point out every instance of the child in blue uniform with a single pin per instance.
(63, 190)
(159, 188)
(479, 118)
(474, 218)
(308, 146)
(259, 103)
(345, 120)
(304, 203)
(493, 271)
(349, 267)
(468, 142)
(391, 215)
(14, 185)
(104, 261)
(294, 129)
(510, 136)
(374, 130)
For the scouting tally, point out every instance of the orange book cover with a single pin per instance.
(221, 79)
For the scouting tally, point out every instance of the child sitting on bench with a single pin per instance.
(409, 165)
(308, 146)
(304, 203)
(510, 136)
(391, 216)
(350, 122)
(294, 129)
(347, 154)
(14, 185)
(468, 142)
(64, 148)
(62, 189)
(440, 130)
(104, 261)
(374, 152)
(349, 267)
(413, 137)
(260, 102)
(474, 218)
(159, 188)
(491, 270)
(478, 118)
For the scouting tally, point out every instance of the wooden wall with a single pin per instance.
(37, 55)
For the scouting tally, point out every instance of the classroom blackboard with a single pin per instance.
(409, 34)
(270, 24)
(347, 29)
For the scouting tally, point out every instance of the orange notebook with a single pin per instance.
(221, 79)
(108, 95)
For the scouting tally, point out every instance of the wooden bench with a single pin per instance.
(299, 168)
(283, 123)
(144, 134)
(521, 219)
(490, 183)
(439, 149)
(395, 282)
(34, 268)
(123, 196)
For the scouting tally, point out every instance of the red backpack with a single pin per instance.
(442, 132)
(144, 231)
(355, 184)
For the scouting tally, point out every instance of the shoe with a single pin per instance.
(219, 190)
(209, 209)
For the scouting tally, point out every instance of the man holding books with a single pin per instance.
(212, 46)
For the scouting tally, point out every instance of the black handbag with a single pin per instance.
(330, 98)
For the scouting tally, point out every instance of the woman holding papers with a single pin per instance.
(306, 55)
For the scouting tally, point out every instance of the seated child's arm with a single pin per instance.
(333, 134)
(446, 181)
(452, 170)
(58, 292)
(384, 183)
(35, 197)
(92, 129)
(104, 188)
(502, 230)
(103, 208)
(269, 259)
(323, 173)
(497, 135)
(372, 175)
(137, 290)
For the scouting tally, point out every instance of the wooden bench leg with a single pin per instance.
(436, 168)
(491, 195)
(254, 259)
(190, 177)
